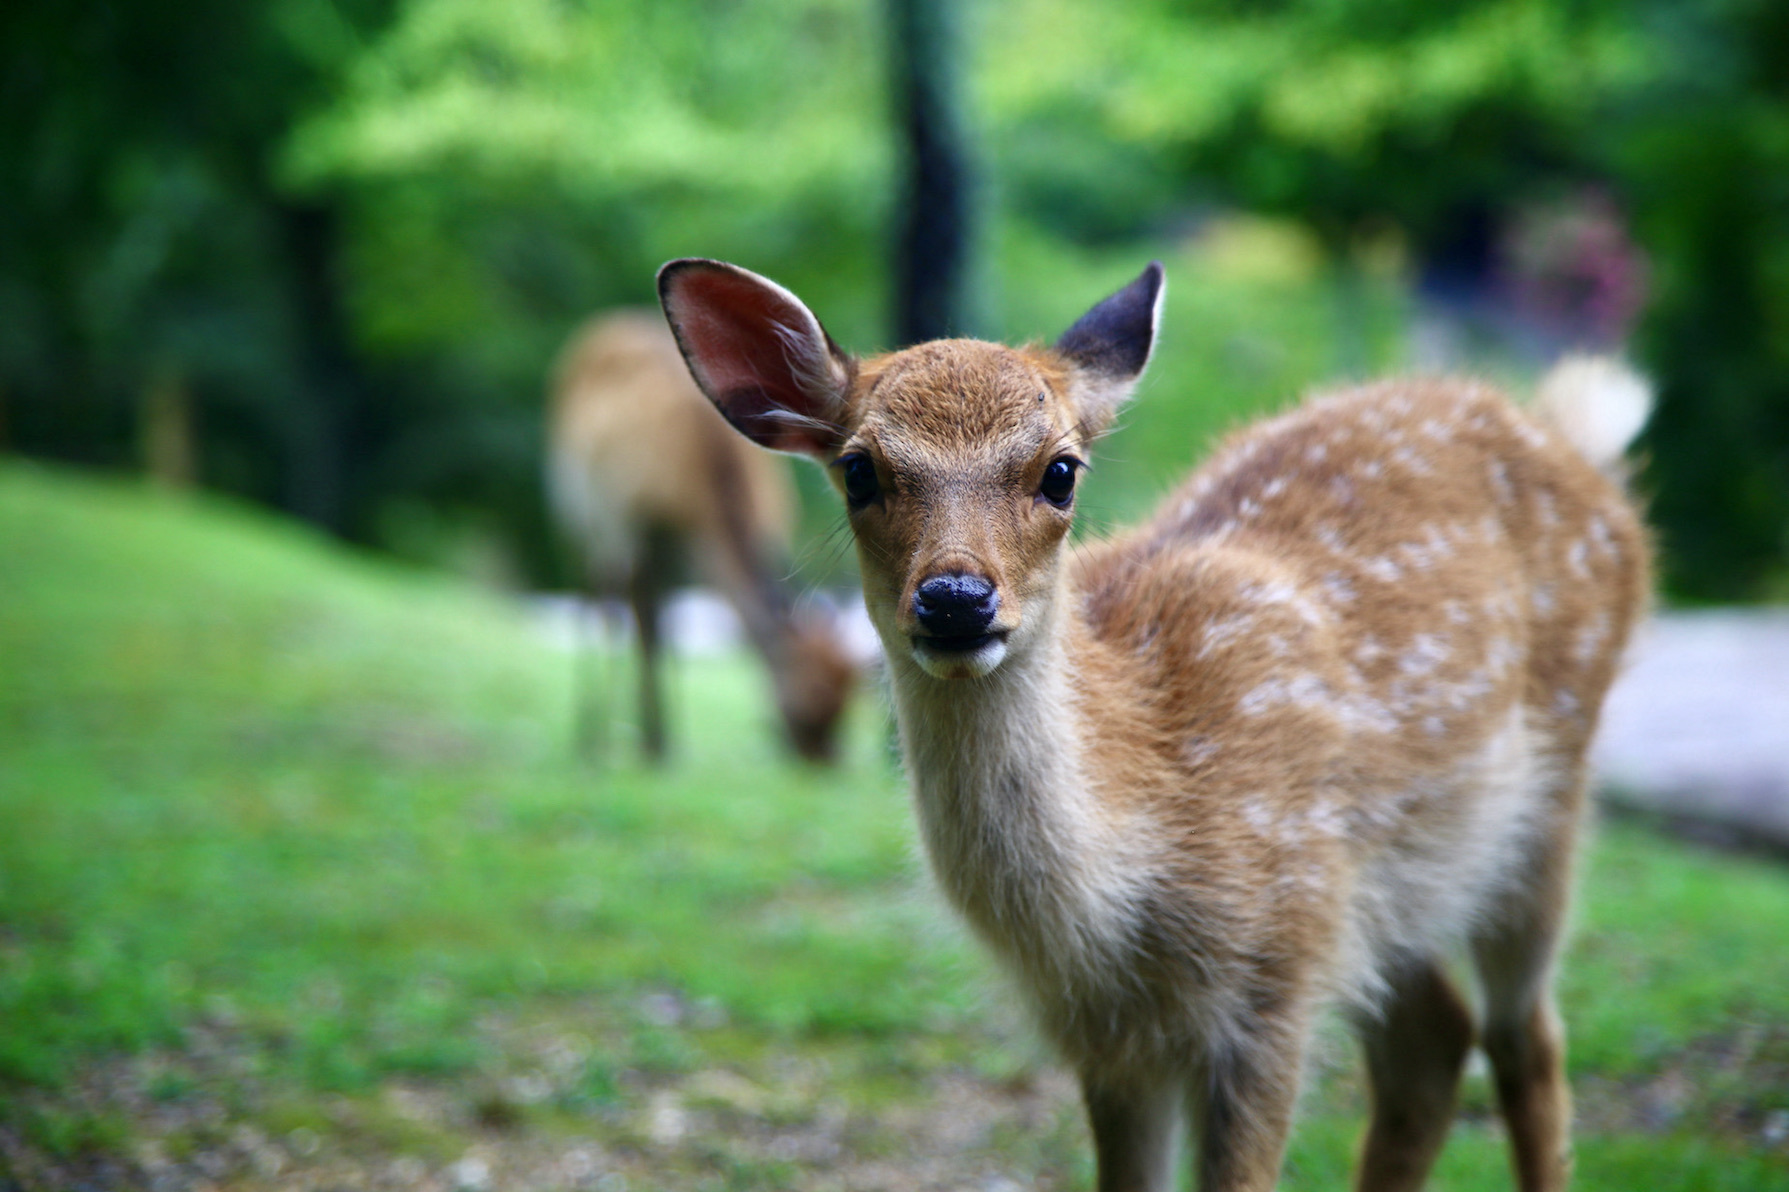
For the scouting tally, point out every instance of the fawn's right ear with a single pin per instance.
(760, 355)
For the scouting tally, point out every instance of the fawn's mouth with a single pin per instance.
(965, 644)
(967, 656)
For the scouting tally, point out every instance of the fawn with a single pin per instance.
(640, 473)
(1320, 719)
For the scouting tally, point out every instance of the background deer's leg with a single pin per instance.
(1415, 1051)
(646, 592)
(1136, 1132)
(1522, 1036)
(593, 669)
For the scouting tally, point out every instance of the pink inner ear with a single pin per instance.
(726, 324)
(756, 352)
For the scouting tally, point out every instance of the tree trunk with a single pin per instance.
(932, 266)
(169, 446)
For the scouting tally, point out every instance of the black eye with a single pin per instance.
(1058, 484)
(860, 480)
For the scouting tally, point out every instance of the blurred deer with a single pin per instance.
(1318, 720)
(647, 479)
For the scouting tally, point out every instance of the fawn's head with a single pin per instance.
(957, 459)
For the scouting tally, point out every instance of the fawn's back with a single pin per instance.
(1366, 642)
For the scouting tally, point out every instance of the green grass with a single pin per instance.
(297, 875)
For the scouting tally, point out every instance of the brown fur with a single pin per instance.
(645, 476)
(1319, 719)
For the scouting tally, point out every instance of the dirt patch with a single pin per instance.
(809, 1117)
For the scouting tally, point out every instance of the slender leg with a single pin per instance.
(1522, 1035)
(1136, 1132)
(645, 595)
(1245, 1106)
(591, 678)
(1415, 1052)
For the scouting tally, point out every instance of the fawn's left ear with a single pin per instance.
(759, 354)
(1110, 345)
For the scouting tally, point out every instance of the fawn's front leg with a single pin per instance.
(1137, 1126)
(1244, 1103)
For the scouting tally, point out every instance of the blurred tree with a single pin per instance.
(1706, 159)
(934, 256)
(143, 237)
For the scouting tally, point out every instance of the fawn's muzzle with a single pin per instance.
(956, 608)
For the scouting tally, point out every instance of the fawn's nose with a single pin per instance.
(956, 605)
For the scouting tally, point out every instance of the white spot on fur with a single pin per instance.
(1412, 462)
(1280, 593)
(1303, 690)
(1258, 815)
(1382, 569)
(1601, 540)
(1198, 750)
(1590, 638)
(1545, 511)
(1426, 654)
(1223, 631)
(1577, 557)
(1500, 485)
(1528, 432)
(1337, 588)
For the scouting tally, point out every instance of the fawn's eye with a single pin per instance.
(1058, 484)
(860, 480)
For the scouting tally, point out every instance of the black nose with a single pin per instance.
(956, 605)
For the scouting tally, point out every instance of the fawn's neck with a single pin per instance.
(1014, 824)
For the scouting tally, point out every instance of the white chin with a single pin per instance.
(960, 664)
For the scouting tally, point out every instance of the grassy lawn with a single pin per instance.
(300, 887)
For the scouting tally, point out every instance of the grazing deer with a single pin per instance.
(641, 472)
(1320, 718)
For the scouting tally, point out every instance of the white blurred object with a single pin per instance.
(1698, 723)
(698, 622)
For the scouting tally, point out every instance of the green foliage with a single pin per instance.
(1336, 112)
(1706, 159)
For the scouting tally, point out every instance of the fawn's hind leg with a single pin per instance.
(1523, 1037)
(1136, 1132)
(1416, 1049)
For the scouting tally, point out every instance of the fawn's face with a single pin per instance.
(958, 472)
(957, 459)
